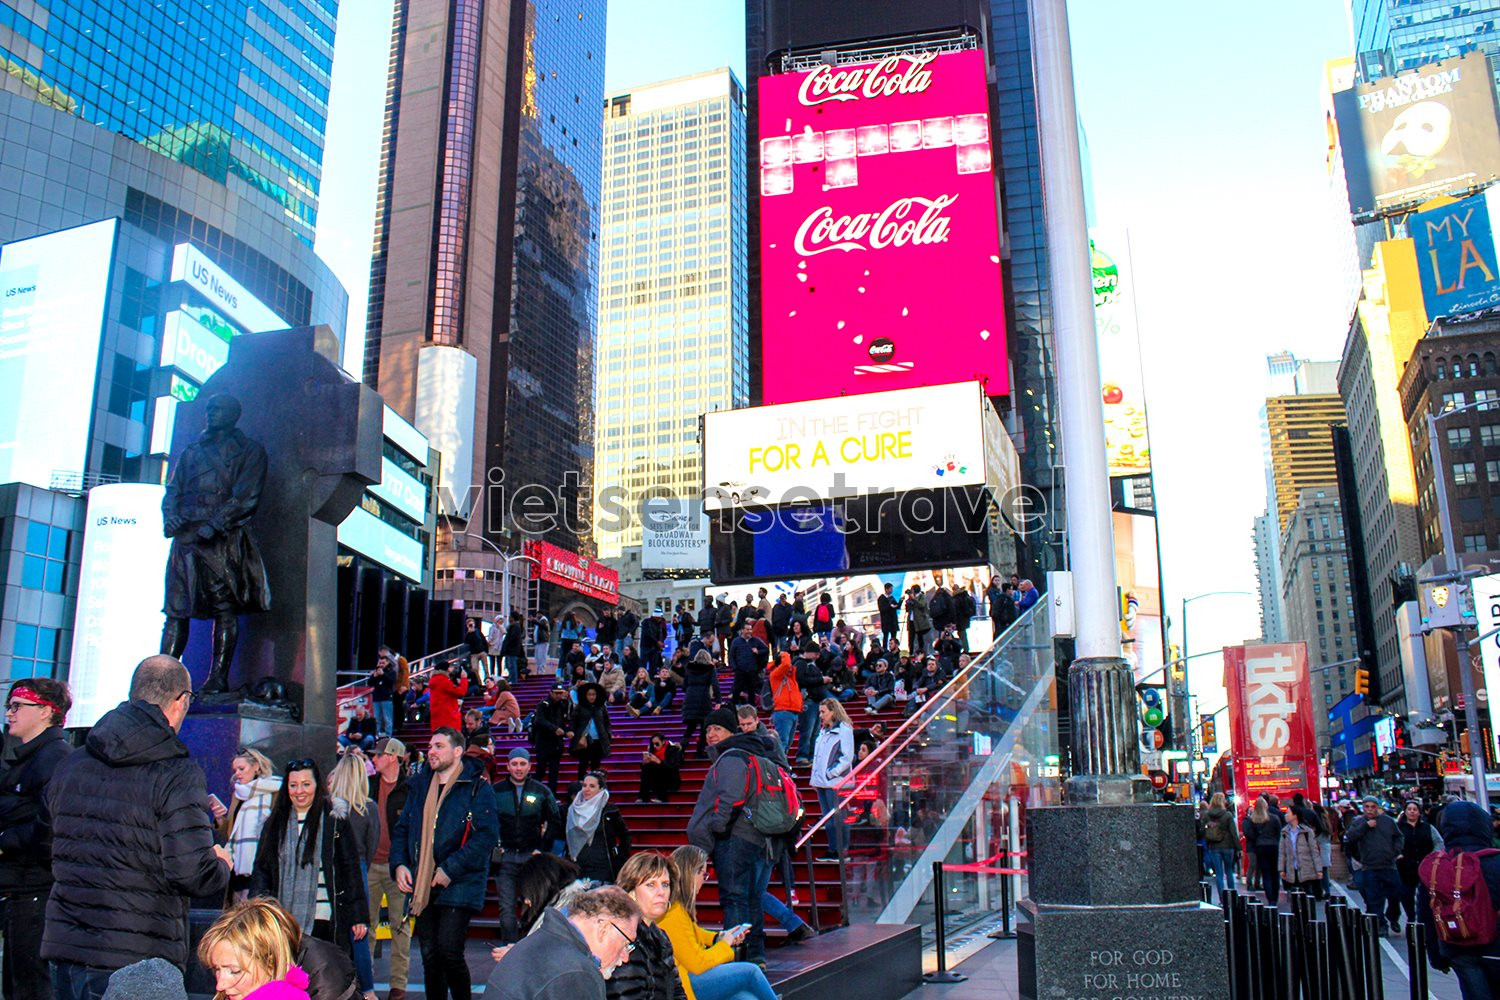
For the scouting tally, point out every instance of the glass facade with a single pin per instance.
(672, 287)
(249, 93)
(544, 430)
(1393, 36)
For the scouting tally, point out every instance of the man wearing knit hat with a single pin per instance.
(34, 715)
(529, 822)
(721, 826)
(388, 792)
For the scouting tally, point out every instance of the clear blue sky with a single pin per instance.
(1206, 141)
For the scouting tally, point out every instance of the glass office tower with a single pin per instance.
(672, 288)
(1392, 36)
(248, 93)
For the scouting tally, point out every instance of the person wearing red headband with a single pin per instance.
(34, 745)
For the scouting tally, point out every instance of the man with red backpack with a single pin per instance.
(823, 615)
(1456, 899)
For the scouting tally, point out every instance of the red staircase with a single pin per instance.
(659, 827)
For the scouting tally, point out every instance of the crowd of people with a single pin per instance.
(1394, 855)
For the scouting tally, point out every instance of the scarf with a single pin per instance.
(426, 863)
(583, 820)
(298, 889)
(252, 807)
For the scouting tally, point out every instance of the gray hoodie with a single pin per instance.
(718, 812)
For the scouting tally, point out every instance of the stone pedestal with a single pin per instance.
(1114, 908)
(213, 734)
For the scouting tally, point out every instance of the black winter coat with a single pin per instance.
(330, 971)
(548, 724)
(131, 844)
(602, 857)
(700, 690)
(25, 862)
(340, 867)
(598, 712)
(651, 973)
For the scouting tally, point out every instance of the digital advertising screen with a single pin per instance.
(53, 290)
(1409, 137)
(880, 243)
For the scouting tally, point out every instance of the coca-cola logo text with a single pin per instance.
(883, 79)
(916, 220)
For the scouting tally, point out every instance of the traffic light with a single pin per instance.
(1156, 719)
(1362, 682)
(1210, 735)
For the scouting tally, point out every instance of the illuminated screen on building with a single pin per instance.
(880, 264)
(52, 295)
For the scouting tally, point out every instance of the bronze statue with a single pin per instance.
(215, 569)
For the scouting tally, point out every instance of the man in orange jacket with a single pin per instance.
(786, 705)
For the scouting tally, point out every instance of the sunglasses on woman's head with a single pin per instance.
(300, 764)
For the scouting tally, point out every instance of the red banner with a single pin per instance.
(1271, 730)
(571, 570)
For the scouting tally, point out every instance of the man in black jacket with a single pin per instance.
(550, 733)
(511, 649)
(569, 956)
(814, 684)
(35, 745)
(781, 618)
(388, 792)
(529, 823)
(131, 840)
(888, 606)
(747, 658)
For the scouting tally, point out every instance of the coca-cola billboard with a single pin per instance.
(1272, 738)
(880, 253)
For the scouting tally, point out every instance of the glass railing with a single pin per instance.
(951, 785)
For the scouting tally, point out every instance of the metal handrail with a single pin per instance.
(412, 666)
(914, 724)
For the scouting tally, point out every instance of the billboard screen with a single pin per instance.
(1455, 247)
(926, 438)
(1427, 132)
(53, 290)
(119, 595)
(1126, 443)
(1270, 720)
(674, 534)
(880, 244)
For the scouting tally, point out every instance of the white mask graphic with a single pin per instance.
(1421, 130)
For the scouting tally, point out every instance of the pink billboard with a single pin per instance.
(880, 234)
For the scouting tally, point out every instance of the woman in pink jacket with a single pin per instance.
(248, 952)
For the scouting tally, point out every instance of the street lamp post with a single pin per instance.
(1452, 564)
(1187, 686)
(507, 558)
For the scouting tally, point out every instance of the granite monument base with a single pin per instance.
(1171, 952)
(214, 734)
(1113, 855)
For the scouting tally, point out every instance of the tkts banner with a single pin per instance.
(1427, 132)
(1270, 721)
(573, 571)
(880, 264)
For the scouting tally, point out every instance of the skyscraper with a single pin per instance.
(481, 317)
(1393, 36)
(248, 100)
(1301, 448)
(672, 288)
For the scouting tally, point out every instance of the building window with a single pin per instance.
(1490, 395)
(45, 565)
(1474, 543)
(1464, 473)
(1452, 400)
(34, 652)
(1489, 435)
(1458, 437)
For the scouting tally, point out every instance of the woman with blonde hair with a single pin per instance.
(651, 972)
(833, 756)
(349, 798)
(250, 955)
(705, 960)
(255, 788)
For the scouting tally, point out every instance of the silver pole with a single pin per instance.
(1453, 565)
(1106, 759)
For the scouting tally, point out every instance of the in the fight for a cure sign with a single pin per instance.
(880, 264)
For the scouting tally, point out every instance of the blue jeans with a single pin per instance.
(364, 966)
(807, 730)
(838, 833)
(744, 872)
(785, 917)
(511, 665)
(1478, 977)
(1221, 866)
(732, 981)
(785, 724)
(1382, 890)
(365, 743)
(882, 700)
(78, 982)
(385, 717)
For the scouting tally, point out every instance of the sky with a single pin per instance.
(1209, 153)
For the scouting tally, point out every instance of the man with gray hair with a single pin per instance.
(131, 840)
(569, 956)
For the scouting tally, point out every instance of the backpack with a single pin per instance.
(824, 614)
(1461, 906)
(771, 802)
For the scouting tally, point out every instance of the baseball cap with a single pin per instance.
(520, 753)
(392, 746)
(559, 687)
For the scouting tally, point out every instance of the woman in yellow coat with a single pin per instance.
(705, 960)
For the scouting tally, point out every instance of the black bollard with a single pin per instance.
(939, 912)
(1286, 925)
(1374, 979)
